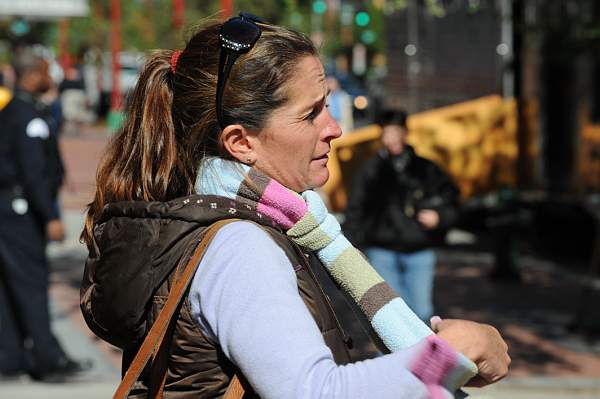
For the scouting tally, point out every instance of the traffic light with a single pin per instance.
(362, 18)
(319, 6)
(20, 27)
(368, 36)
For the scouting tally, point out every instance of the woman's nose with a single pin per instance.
(333, 129)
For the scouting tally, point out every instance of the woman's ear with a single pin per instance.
(238, 142)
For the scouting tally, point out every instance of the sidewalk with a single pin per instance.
(549, 362)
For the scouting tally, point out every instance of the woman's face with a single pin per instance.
(294, 145)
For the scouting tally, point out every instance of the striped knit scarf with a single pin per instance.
(307, 222)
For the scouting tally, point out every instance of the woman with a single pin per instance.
(235, 126)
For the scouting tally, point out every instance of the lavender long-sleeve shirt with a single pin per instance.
(245, 296)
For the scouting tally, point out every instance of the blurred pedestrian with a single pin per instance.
(340, 104)
(73, 99)
(7, 76)
(399, 206)
(28, 219)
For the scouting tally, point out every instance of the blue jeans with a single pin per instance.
(410, 274)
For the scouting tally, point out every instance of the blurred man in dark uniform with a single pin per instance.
(28, 219)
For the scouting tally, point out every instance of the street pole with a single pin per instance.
(316, 28)
(412, 51)
(115, 115)
(227, 8)
(522, 60)
(178, 11)
(63, 44)
(507, 49)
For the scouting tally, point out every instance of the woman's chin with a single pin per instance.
(319, 179)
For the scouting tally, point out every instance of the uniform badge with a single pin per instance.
(20, 206)
(37, 127)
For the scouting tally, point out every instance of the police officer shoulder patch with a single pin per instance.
(20, 206)
(37, 127)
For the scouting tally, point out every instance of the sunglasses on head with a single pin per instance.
(237, 36)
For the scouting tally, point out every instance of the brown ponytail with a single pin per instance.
(142, 162)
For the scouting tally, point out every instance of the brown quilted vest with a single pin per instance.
(198, 369)
(127, 277)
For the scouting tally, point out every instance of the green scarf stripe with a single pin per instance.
(350, 272)
(316, 238)
(303, 226)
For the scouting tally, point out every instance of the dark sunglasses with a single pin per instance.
(237, 36)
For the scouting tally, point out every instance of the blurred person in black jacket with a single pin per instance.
(30, 176)
(400, 205)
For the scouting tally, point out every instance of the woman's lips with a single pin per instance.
(324, 156)
(322, 160)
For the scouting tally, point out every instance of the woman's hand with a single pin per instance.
(481, 343)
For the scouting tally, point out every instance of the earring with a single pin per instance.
(249, 160)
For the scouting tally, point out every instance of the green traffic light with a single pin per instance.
(319, 7)
(362, 18)
(368, 37)
(19, 27)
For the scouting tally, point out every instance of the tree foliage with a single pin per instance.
(148, 24)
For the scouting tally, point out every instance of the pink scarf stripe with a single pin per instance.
(282, 205)
(437, 360)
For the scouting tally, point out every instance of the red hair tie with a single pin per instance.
(174, 59)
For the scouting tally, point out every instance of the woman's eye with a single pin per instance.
(316, 111)
(313, 114)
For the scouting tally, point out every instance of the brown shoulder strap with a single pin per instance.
(235, 390)
(155, 336)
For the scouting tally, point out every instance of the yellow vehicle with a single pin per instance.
(5, 96)
(475, 142)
